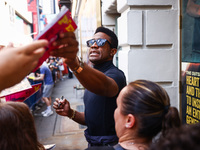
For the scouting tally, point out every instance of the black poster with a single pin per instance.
(190, 93)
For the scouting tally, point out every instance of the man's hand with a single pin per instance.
(67, 48)
(64, 109)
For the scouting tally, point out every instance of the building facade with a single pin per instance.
(149, 34)
(16, 23)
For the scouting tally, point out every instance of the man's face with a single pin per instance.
(98, 54)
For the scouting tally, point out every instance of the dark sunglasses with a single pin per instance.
(99, 42)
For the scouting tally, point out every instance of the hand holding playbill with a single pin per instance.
(62, 23)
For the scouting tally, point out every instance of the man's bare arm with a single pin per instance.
(97, 82)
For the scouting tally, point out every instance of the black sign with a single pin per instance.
(190, 93)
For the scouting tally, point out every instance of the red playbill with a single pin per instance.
(61, 23)
(23, 95)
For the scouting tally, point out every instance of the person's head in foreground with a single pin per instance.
(185, 138)
(143, 110)
(17, 128)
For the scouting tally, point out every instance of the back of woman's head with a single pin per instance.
(17, 128)
(150, 104)
(185, 138)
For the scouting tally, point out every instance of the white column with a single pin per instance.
(148, 32)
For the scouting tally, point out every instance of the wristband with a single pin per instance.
(73, 114)
(79, 69)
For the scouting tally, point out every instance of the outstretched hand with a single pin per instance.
(17, 63)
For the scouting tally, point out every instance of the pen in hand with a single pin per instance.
(61, 99)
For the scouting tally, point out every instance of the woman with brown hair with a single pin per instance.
(17, 128)
(185, 138)
(143, 111)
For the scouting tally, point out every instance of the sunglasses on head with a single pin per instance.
(99, 42)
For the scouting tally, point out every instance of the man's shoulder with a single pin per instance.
(116, 71)
(44, 68)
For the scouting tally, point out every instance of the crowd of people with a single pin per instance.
(50, 72)
(45, 75)
(118, 116)
(58, 68)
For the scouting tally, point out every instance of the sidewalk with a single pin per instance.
(59, 130)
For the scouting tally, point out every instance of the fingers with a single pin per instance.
(65, 46)
(58, 104)
(69, 52)
(39, 52)
(39, 44)
(65, 40)
(11, 44)
(64, 107)
(67, 34)
(55, 104)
